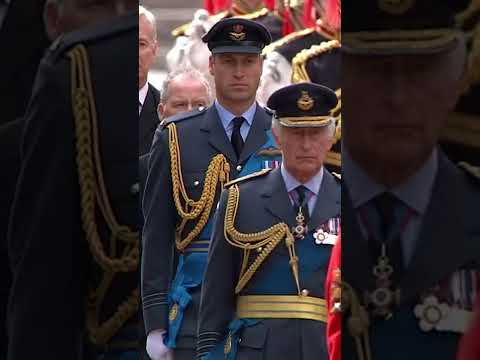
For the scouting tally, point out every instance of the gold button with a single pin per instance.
(196, 183)
(239, 168)
(259, 249)
(305, 292)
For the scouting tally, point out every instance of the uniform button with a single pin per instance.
(135, 189)
(259, 249)
(196, 183)
(305, 292)
(239, 167)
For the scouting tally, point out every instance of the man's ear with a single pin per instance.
(277, 137)
(211, 65)
(51, 19)
(161, 111)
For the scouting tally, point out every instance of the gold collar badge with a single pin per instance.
(305, 102)
(237, 34)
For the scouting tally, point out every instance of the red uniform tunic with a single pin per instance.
(332, 295)
(470, 345)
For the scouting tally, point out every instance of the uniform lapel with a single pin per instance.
(257, 136)
(444, 243)
(217, 136)
(276, 198)
(356, 260)
(328, 202)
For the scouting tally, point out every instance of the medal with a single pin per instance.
(383, 298)
(431, 312)
(320, 235)
(300, 229)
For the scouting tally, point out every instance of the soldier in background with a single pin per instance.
(402, 198)
(280, 55)
(189, 50)
(311, 55)
(461, 137)
(76, 217)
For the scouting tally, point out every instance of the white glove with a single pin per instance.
(156, 349)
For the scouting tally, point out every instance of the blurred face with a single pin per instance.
(394, 107)
(303, 149)
(63, 16)
(184, 94)
(147, 49)
(236, 76)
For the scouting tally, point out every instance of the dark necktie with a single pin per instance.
(301, 202)
(390, 232)
(237, 140)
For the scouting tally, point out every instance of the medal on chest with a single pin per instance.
(384, 297)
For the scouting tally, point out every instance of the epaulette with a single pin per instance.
(91, 34)
(182, 29)
(324, 30)
(299, 62)
(254, 15)
(286, 39)
(182, 116)
(470, 169)
(248, 177)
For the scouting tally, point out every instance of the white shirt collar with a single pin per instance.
(142, 93)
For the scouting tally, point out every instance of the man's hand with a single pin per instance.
(156, 349)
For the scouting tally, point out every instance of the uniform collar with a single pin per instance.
(415, 192)
(292, 183)
(227, 117)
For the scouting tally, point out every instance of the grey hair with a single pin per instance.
(150, 18)
(276, 126)
(184, 72)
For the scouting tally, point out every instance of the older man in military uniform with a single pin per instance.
(191, 159)
(410, 254)
(74, 220)
(263, 293)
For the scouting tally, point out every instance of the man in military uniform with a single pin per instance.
(263, 293)
(191, 159)
(74, 293)
(410, 254)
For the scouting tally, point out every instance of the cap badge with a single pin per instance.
(237, 34)
(395, 7)
(305, 102)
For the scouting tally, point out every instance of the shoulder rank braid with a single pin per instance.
(218, 171)
(264, 242)
(94, 197)
(299, 62)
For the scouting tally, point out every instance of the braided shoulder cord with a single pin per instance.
(218, 171)
(299, 62)
(93, 194)
(264, 242)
